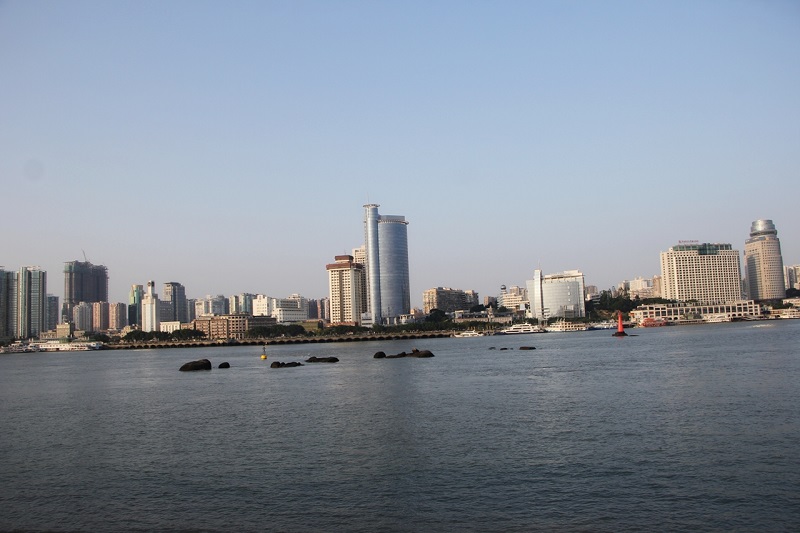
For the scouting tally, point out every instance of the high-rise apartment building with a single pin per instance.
(82, 317)
(175, 294)
(763, 262)
(135, 305)
(346, 286)
(53, 312)
(7, 306)
(448, 300)
(557, 295)
(150, 309)
(324, 308)
(360, 257)
(791, 276)
(386, 247)
(241, 304)
(702, 273)
(100, 316)
(30, 303)
(84, 282)
(212, 305)
(117, 316)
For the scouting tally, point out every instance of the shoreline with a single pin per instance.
(276, 341)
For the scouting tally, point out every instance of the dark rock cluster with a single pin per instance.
(278, 364)
(315, 359)
(414, 353)
(201, 364)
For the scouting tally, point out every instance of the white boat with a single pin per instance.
(19, 347)
(714, 319)
(69, 346)
(608, 324)
(562, 326)
(518, 329)
(469, 333)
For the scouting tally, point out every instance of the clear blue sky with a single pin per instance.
(230, 146)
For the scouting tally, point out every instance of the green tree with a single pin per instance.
(437, 316)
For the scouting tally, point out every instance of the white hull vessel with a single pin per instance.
(562, 326)
(518, 329)
(470, 333)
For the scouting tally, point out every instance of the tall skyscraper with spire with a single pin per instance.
(388, 287)
(763, 262)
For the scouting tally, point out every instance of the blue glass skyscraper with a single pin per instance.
(387, 265)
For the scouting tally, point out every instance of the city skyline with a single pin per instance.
(740, 255)
(231, 155)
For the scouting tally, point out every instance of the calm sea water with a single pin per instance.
(687, 428)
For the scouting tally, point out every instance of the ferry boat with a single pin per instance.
(69, 346)
(19, 347)
(656, 322)
(561, 326)
(468, 333)
(715, 319)
(518, 329)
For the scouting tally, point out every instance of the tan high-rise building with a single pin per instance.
(448, 300)
(100, 316)
(346, 285)
(703, 273)
(763, 262)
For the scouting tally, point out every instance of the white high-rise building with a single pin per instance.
(513, 298)
(262, 305)
(557, 295)
(151, 319)
(346, 287)
(702, 273)
(291, 309)
(764, 263)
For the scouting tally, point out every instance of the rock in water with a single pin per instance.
(225, 365)
(201, 364)
(278, 364)
(379, 355)
(315, 359)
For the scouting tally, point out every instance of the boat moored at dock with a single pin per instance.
(518, 329)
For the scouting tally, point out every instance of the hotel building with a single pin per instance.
(346, 288)
(764, 263)
(702, 273)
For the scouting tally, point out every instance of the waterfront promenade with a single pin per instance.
(146, 345)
